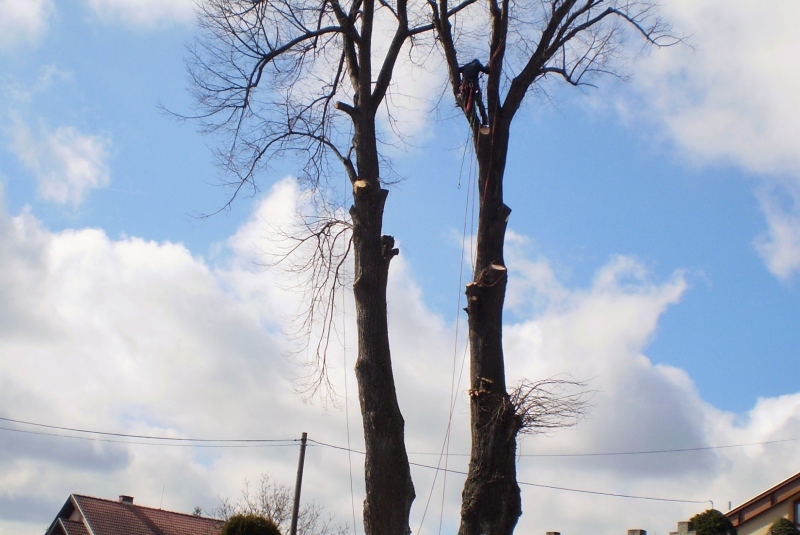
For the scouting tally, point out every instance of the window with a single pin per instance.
(796, 513)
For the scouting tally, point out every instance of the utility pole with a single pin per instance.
(298, 484)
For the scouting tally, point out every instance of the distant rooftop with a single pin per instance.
(86, 515)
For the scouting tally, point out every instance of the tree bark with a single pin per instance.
(491, 503)
(389, 489)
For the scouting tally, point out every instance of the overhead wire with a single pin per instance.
(145, 437)
(203, 444)
(342, 448)
(257, 443)
(540, 485)
(260, 442)
(637, 452)
(673, 450)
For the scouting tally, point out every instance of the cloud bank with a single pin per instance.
(731, 99)
(141, 337)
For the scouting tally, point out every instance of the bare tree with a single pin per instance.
(274, 502)
(306, 78)
(528, 42)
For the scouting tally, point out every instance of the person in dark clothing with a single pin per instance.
(470, 87)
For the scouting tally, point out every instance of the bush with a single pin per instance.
(712, 522)
(249, 525)
(783, 526)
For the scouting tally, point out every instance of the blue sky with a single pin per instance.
(654, 249)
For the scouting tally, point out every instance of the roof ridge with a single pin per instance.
(190, 515)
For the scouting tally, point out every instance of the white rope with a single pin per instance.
(347, 405)
(454, 383)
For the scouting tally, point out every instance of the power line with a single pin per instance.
(639, 452)
(167, 444)
(527, 484)
(294, 441)
(614, 495)
(255, 443)
(675, 450)
(146, 437)
(291, 442)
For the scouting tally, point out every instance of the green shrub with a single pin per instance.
(783, 526)
(712, 522)
(249, 525)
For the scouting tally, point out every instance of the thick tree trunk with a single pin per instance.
(389, 490)
(491, 502)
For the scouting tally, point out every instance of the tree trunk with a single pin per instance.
(491, 503)
(389, 490)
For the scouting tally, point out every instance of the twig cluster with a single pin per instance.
(548, 405)
(317, 252)
(274, 502)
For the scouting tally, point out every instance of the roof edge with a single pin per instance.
(736, 510)
(83, 515)
(60, 511)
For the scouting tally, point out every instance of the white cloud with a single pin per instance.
(128, 334)
(143, 337)
(144, 12)
(67, 164)
(732, 99)
(23, 22)
(780, 245)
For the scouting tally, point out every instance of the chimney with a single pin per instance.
(637, 532)
(684, 528)
(552, 533)
(127, 500)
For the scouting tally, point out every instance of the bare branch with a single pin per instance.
(316, 252)
(440, 13)
(582, 38)
(399, 39)
(265, 76)
(274, 502)
(548, 405)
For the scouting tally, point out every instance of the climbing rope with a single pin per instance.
(347, 406)
(444, 454)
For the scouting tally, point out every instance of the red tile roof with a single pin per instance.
(110, 517)
(74, 527)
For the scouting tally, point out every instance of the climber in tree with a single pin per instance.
(471, 89)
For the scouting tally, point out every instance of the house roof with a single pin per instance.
(73, 527)
(766, 500)
(86, 515)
